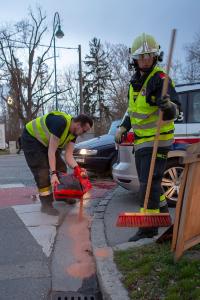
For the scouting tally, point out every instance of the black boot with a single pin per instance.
(47, 205)
(164, 209)
(67, 200)
(144, 232)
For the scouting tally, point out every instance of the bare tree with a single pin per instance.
(25, 66)
(177, 72)
(192, 69)
(70, 100)
(117, 88)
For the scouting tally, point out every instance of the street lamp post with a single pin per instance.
(57, 32)
(80, 80)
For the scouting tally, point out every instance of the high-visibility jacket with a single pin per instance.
(39, 130)
(144, 118)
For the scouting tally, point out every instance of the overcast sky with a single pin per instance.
(114, 21)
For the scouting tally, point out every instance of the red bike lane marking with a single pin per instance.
(23, 195)
(16, 196)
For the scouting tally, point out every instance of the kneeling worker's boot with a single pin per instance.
(67, 200)
(143, 233)
(47, 205)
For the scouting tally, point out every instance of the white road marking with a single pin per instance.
(40, 225)
(11, 185)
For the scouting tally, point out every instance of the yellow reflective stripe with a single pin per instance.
(142, 116)
(163, 156)
(43, 125)
(150, 125)
(36, 133)
(144, 135)
(45, 188)
(45, 191)
(150, 144)
(162, 137)
(137, 115)
(162, 197)
(163, 201)
(151, 211)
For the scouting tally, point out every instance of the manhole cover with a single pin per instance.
(72, 296)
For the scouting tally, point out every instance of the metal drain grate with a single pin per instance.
(72, 296)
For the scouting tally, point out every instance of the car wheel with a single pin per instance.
(171, 181)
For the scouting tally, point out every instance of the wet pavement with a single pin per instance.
(24, 268)
(49, 255)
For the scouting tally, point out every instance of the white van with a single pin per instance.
(187, 131)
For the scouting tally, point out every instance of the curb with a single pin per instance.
(107, 273)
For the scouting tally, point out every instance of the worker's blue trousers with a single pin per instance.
(143, 160)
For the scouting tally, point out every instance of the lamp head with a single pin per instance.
(10, 101)
(59, 33)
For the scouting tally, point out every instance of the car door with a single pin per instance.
(180, 123)
(193, 118)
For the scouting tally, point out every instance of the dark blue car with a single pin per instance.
(98, 154)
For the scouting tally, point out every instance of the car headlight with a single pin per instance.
(88, 152)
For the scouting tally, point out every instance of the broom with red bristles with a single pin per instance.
(146, 219)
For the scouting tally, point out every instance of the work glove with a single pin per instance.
(165, 103)
(120, 132)
(80, 172)
(168, 107)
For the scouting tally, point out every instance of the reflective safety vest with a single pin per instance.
(144, 118)
(38, 129)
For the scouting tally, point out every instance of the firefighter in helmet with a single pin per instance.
(145, 100)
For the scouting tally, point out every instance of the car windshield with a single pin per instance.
(113, 127)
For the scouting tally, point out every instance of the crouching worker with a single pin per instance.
(43, 140)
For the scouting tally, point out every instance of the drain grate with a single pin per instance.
(72, 296)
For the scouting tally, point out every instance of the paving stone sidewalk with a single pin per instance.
(106, 238)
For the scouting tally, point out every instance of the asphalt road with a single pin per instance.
(24, 269)
(25, 273)
(13, 169)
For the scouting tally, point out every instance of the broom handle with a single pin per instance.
(155, 145)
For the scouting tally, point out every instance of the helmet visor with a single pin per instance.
(144, 56)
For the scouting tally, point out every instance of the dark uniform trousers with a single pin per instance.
(143, 161)
(37, 159)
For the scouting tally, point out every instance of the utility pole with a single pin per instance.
(80, 81)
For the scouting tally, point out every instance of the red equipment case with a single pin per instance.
(71, 186)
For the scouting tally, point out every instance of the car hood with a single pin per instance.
(100, 141)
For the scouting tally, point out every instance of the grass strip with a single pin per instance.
(150, 273)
